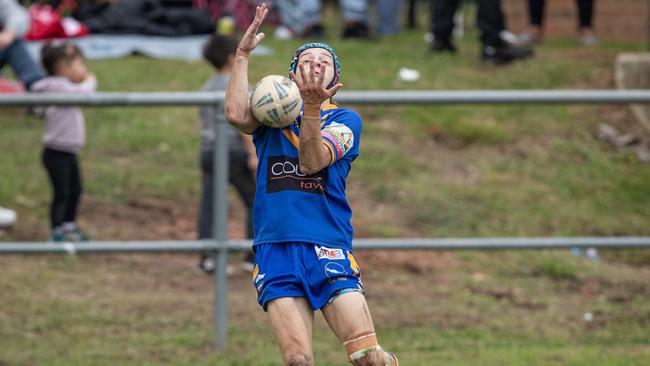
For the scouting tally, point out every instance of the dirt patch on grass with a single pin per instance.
(150, 219)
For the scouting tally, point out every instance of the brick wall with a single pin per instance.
(622, 20)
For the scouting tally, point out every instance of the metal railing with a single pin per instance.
(221, 245)
(201, 246)
(351, 97)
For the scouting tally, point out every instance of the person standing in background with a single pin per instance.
(536, 10)
(64, 136)
(495, 48)
(353, 12)
(14, 24)
(219, 52)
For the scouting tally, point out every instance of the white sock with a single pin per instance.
(69, 226)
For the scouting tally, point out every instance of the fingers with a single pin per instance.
(331, 91)
(303, 79)
(260, 14)
(312, 73)
(321, 76)
(251, 39)
(295, 79)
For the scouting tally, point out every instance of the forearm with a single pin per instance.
(237, 104)
(249, 146)
(313, 155)
(89, 85)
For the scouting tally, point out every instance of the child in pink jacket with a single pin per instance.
(64, 135)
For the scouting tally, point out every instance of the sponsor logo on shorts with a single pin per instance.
(283, 173)
(329, 253)
(333, 269)
(259, 280)
(336, 279)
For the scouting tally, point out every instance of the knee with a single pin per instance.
(298, 359)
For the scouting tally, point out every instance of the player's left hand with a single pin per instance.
(311, 87)
(251, 38)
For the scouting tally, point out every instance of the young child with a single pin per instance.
(64, 135)
(219, 52)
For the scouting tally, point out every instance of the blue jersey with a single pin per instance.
(291, 206)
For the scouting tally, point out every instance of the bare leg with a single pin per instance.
(292, 320)
(349, 318)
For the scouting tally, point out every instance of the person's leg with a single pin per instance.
(57, 171)
(536, 10)
(354, 10)
(74, 181)
(290, 15)
(205, 209)
(585, 13)
(244, 181)
(490, 21)
(585, 18)
(26, 68)
(536, 18)
(389, 12)
(349, 318)
(355, 17)
(292, 321)
(311, 19)
(442, 18)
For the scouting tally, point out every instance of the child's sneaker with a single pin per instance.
(76, 235)
(71, 232)
(57, 235)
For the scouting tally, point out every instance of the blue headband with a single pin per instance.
(306, 46)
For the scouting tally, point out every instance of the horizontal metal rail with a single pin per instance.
(220, 245)
(190, 246)
(353, 97)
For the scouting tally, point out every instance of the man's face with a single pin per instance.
(322, 61)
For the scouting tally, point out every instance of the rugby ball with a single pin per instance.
(276, 101)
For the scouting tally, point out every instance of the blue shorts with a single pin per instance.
(315, 272)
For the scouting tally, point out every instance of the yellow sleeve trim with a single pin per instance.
(332, 155)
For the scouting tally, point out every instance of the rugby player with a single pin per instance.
(303, 236)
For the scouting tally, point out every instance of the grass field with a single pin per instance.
(424, 171)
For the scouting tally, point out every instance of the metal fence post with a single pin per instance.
(220, 229)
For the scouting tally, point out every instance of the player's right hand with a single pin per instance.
(251, 38)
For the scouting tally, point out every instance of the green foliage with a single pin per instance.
(557, 269)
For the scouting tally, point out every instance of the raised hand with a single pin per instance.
(310, 85)
(251, 39)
